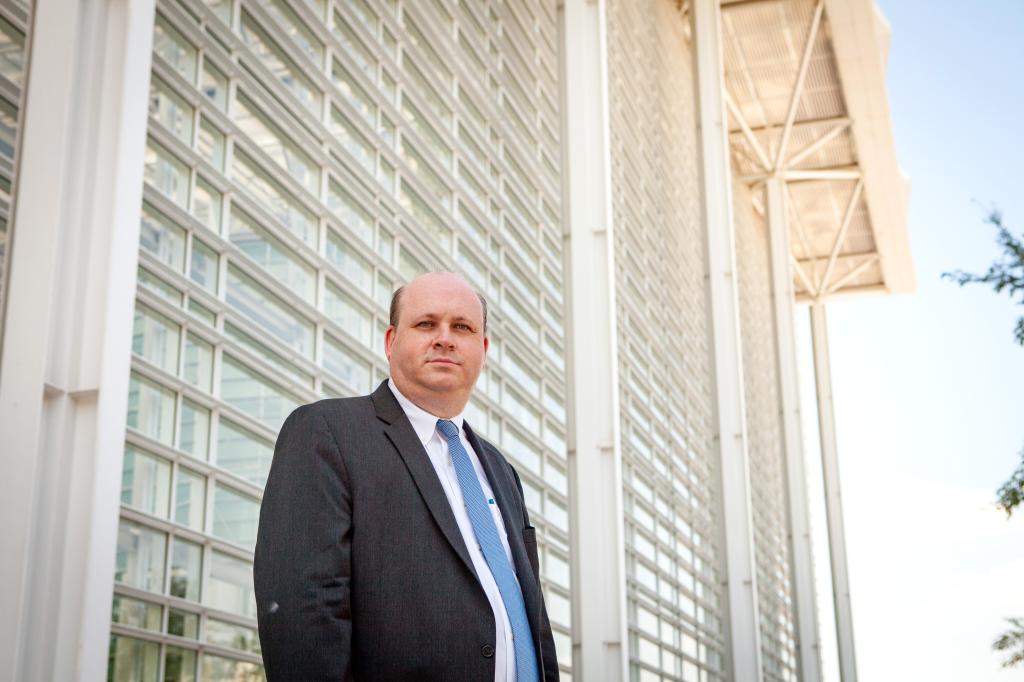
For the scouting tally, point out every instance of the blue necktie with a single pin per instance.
(494, 553)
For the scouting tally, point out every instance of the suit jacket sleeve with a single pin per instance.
(548, 655)
(302, 569)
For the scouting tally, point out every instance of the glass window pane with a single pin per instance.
(145, 482)
(349, 315)
(136, 613)
(204, 266)
(166, 173)
(12, 53)
(296, 30)
(344, 364)
(140, 557)
(195, 429)
(273, 256)
(151, 409)
(162, 238)
(132, 660)
(189, 499)
(280, 65)
(172, 46)
(179, 665)
(235, 517)
(214, 83)
(232, 636)
(183, 624)
(270, 357)
(268, 137)
(350, 212)
(155, 338)
(269, 312)
(274, 199)
(198, 362)
(219, 668)
(230, 585)
(159, 287)
(354, 267)
(242, 453)
(186, 569)
(206, 206)
(201, 312)
(211, 144)
(171, 110)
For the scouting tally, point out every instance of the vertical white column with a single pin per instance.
(600, 640)
(833, 496)
(68, 325)
(802, 560)
(740, 569)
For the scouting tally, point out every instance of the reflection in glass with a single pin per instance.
(233, 636)
(198, 369)
(132, 660)
(349, 315)
(140, 557)
(273, 256)
(235, 517)
(189, 499)
(242, 453)
(166, 173)
(344, 364)
(150, 409)
(230, 585)
(195, 429)
(136, 613)
(219, 668)
(179, 665)
(186, 569)
(183, 624)
(269, 312)
(155, 338)
(162, 238)
(145, 482)
(249, 393)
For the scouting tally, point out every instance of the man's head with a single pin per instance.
(437, 341)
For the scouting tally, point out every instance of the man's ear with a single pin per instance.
(487, 344)
(389, 339)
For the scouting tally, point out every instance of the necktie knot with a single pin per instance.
(447, 427)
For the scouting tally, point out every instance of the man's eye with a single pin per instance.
(425, 324)
(462, 326)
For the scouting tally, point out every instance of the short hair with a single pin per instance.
(396, 306)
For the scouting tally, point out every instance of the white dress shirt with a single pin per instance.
(425, 425)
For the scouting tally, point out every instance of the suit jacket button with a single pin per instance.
(487, 650)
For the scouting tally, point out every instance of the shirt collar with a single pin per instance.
(423, 423)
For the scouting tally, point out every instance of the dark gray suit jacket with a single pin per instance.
(361, 572)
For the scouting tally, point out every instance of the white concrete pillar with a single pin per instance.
(801, 556)
(744, 657)
(600, 637)
(67, 345)
(833, 496)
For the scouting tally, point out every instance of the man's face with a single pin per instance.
(437, 348)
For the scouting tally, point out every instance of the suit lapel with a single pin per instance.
(401, 434)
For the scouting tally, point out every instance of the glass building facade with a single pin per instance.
(302, 161)
(14, 23)
(298, 160)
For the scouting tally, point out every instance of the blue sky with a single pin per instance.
(927, 386)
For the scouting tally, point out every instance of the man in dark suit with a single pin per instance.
(394, 543)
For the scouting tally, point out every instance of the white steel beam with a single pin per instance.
(814, 146)
(837, 244)
(600, 636)
(833, 496)
(65, 362)
(747, 133)
(798, 86)
(744, 659)
(801, 557)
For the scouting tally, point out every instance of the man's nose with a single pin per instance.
(444, 336)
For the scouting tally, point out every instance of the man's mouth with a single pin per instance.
(443, 361)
